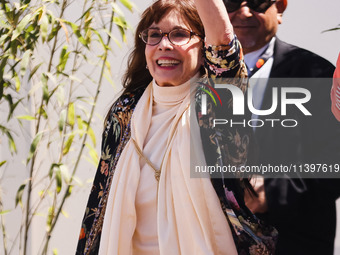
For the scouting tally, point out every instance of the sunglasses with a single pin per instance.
(178, 36)
(255, 5)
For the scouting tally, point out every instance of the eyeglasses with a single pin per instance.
(255, 5)
(178, 36)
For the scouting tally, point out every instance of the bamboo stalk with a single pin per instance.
(29, 191)
(69, 186)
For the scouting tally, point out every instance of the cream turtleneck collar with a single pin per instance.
(170, 95)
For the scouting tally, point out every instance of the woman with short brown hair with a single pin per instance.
(143, 200)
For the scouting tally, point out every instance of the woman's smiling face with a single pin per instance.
(172, 65)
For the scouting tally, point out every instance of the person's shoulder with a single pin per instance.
(299, 61)
(300, 53)
(125, 102)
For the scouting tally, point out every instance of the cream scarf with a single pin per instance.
(190, 220)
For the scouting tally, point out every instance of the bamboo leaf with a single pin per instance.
(3, 65)
(77, 181)
(74, 78)
(4, 212)
(33, 147)
(9, 99)
(60, 95)
(120, 21)
(116, 9)
(23, 23)
(2, 84)
(129, 5)
(79, 122)
(18, 197)
(100, 38)
(63, 59)
(44, 79)
(12, 146)
(14, 47)
(54, 165)
(113, 38)
(2, 70)
(87, 29)
(84, 110)
(76, 31)
(108, 66)
(53, 33)
(24, 62)
(65, 30)
(54, 26)
(122, 26)
(93, 154)
(68, 144)
(65, 173)
(23, 7)
(90, 160)
(332, 29)
(50, 217)
(20, 27)
(51, 77)
(46, 95)
(65, 214)
(12, 105)
(108, 77)
(41, 193)
(58, 179)
(69, 191)
(71, 115)
(25, 117)
(3, 38)
(62, 120)
(87, 12)
(34, 70)
(42, 111)
(44, 26)
(17, 82)
(2, 163)
(92, 136)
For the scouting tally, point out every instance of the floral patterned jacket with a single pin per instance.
(227, 146)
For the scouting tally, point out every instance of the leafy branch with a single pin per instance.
(45, 87)
(332, 29)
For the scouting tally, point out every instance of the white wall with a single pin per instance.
(304, 21)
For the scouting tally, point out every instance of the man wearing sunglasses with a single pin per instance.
(303, 210)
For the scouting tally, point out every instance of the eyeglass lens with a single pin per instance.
(153, 36)
(256, 5)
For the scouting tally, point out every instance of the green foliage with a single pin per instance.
(33, 147)
(332, 29)
(45, 57)
(11, 143)
(18, 198)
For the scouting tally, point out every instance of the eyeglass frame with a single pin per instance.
(241, 1)
(191, 34)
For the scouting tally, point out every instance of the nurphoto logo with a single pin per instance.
(238, 97)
